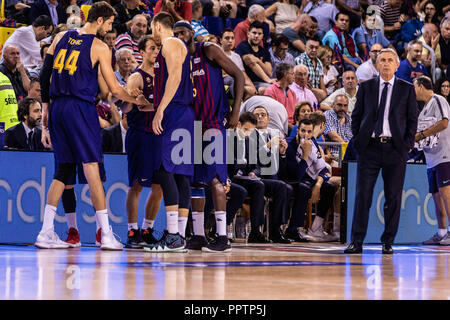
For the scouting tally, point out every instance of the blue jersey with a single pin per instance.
(142, 121)
(73, 74)
(211, 104)
(184, 94)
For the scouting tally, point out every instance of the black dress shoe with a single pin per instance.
(257, 237)
(278, 237)
(387, 248)
(354, 248)
(295, 236)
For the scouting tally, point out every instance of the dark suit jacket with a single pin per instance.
(242, 169)
(112, 139)
(403, 114)
(40, 8)
(16, 138)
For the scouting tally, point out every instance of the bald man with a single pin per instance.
(13, 68)
(296, 34)
(131, 38)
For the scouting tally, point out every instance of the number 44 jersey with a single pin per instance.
(73, 74)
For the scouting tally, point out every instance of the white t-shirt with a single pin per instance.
(236, 59)
(439, 153)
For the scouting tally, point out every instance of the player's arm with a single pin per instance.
(215, 53)
(174, 52)
(134, 83)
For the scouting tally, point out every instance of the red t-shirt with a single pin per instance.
(184, 9)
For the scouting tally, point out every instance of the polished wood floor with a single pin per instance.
(298, 271)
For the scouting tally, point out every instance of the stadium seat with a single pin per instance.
(232, 22)
(85, 8)
(214, 25)
(5, 33)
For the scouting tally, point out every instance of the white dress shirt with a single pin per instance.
(366, 71)
(30, 49)
(386, 128)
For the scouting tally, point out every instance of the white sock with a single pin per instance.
(49, 217)
(132, 226)
(182, 222)
(147, 224)
(317, 223)
(442, 232)
(198, 222)
(172, 222)
(221, 222)
(336, 222)
(102, 220)
(71, 220)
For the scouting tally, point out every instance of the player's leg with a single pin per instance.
(444, 211)
(134, 239)
(151, 210)
(198, 241)
(184, 202)
(91, 171)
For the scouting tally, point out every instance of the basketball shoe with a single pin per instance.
(168, 243)
(49, 240)
(73, 238)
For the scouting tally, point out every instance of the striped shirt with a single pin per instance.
(315, 73)
(126, 41)
(199, 29)
(332, 124)
(390, 16)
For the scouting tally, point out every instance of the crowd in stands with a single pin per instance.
(302, 62)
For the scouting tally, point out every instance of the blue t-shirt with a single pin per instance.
(360, 35)
(406, 71)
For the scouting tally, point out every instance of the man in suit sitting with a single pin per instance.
(384, 125)
(26, 135)
(113, 137)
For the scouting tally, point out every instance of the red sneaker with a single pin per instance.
(73, 239)
(98, 238)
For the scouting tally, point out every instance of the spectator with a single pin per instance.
(18, 10)
(59, 28)
(410, 68)
(197, 16)
(429, 13)
(324, 13)
(444, 42)
(342, 43)
(8, 107)
(313, 28)
(130, 39)
(296, 33)
(125, 64)
(315, 68)
(353, 9)
(430, 36)
(280, 90)
(179, 9)
(126, 11)
(368, 70)
(367, 35)
(392, 18)
(278, 52)
(50, 8)
(443, 88)
(113, 137)
(227, 46)
(302, 111)
(330, 73)
(338, 124)
(225, 9)
(285, 12)
(255, 13)
(26, 135)
(277, 112)
(256, 59)
(349, 89)
(211, 38)
(110, 39)
(13, 68)
(35, 89)
(28, 39)
(301, 88)
(36, 72)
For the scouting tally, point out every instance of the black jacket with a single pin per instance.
(112, 139)
(16, 138)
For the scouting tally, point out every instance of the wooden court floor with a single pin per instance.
(249, 272)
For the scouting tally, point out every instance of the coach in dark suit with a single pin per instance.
(49, 8)
(384, 124)
(113, 137)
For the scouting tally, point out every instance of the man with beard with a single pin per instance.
(411, 68)
(26, 135)
(211, 106)
(131, 38)
(72, 121)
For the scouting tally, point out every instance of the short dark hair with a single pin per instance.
(248, 117)
(165, 19)
(226, 30)
(313, 38)
(313, 19)
(143, 42)
(425, 82)
(306, 122)
(282, 69)
(256, 25)
(43, 20)
(261, 107)
(23, 109)
(368, 12)
(279, 39)
(101, 9)
(339, 13)
(42, 49)
(317, 118)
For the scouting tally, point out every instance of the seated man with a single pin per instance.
(306, 168)
(26, 135)
(302, 90)
(243, 173)
(35, 89)
(13, 68)
(367, 70)
(411, 67)
(296, 34)
(257, 61)
(349, 89)
(278, 52)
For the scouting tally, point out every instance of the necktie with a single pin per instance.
(30, 140)
(380, 111)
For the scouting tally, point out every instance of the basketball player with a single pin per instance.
(140, 144)
(173, 97)
(72, 62)
(211, 106)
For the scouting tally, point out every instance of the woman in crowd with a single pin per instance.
(330, 73)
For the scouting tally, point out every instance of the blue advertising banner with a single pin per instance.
(25, 178)
(417, 218)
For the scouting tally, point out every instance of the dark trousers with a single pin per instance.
(255, 190)
(378, 156)
(280, 193)
(302, 194)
